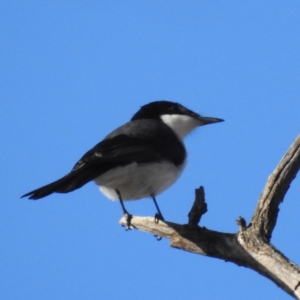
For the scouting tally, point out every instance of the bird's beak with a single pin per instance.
(209, 120)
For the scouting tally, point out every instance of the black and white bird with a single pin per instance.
(140, 159)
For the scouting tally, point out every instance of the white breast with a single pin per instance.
(139, 181)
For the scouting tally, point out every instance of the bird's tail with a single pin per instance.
(72, 181)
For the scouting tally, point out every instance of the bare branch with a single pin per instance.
(243, 249)
(199, 207)
(266, 212)
(193, 239)
(250, 246)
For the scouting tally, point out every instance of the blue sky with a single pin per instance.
(72, 71)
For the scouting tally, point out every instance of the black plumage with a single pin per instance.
(141, 141)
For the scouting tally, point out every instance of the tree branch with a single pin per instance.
(250, 246)
(266, 212)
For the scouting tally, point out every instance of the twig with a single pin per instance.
(199, 207)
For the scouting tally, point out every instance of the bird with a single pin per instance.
(139, 159)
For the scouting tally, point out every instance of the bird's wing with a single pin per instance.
(135, 141)
(140, 141)
(119, 150)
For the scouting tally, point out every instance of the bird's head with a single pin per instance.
(180, 119)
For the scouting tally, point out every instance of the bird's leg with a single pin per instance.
(158, 216)
(125, 212)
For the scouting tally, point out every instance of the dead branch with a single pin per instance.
(266, 212)
(250, 246)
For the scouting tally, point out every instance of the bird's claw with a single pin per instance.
(158, 217)
(158, 238)
(128, 217)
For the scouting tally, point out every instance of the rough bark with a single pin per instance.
(250, 246)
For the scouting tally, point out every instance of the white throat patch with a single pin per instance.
(180, 124)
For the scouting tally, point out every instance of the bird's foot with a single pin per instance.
(158, 217)
(158, 238)
(128, 221)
